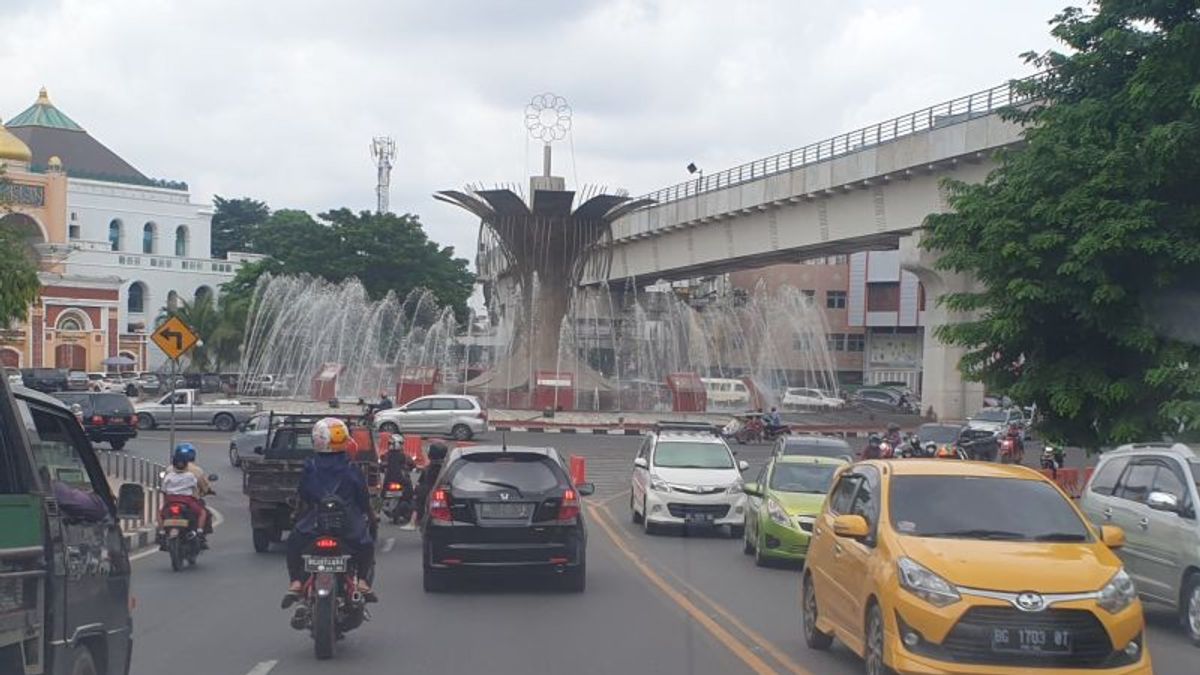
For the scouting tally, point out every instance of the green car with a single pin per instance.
(783, 505)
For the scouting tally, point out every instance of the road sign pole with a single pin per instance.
(174, 377)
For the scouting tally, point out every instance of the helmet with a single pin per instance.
(437, 452)
(874, 439)
(1048, 452)
(330, 435)
(893, 427)
(184, 451)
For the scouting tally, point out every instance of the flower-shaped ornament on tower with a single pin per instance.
(548, 117)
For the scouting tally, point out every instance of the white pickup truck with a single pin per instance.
(190, 409)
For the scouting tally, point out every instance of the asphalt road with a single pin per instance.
(668, 604)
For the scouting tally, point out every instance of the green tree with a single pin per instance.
(19, 285)
(219, 328)
(1078, 230)
(235, 222)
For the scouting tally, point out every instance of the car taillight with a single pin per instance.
(439, 506)
(175, 509)
(327, 543)
(483, 414)
(133, 420)
(96, 419)
(569, 508)
(394, 487)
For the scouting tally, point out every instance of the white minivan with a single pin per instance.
(726, 392)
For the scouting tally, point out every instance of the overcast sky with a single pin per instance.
(279, 100)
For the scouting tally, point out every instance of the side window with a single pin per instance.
(644, 451)
(1169, 479)
(1135, 484)
(762, 476)
(464, 404)
(843, 494)
(866, 500)
(62, 455)
(443, 404)
(1105, 480)
(424, 404)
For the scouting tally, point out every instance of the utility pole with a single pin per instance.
(383, 150)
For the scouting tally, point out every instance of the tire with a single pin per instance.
(747, 545)
(434, 581)
(461, 432)
(760, 559)
(146, 421)
(647, 526)
(176, 554)
(235, 457)
(634, 516)
(324, 627)
(82, 662)
(224, 422)
(873, 645)
(813, 637)
(117, 445)
(262, 539)
(389, 427)
(574, 579)
(1189, 607)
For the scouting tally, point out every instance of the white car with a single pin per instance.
(805, 397)
(997, 420)
(687, 477)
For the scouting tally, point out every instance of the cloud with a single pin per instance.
(279, 100)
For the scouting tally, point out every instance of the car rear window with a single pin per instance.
(803, 478)
(831, 448)
(464, 404)
(969, 507)
(526, 473)
(109, 404)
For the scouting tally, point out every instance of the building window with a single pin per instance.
(836, 342)
(181, 241)
(172, 301)
(73, 231)
(136, 302)
(149, 232)
(203, 292)
(809, 296)
(835, 299)
(855, 342)
(883, 296)
(114, 234)
(69, 323)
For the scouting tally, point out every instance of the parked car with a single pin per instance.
(251, 438)
(782, 505)
(511, 508)
(997, 420)
(813, 446)
(883, 400)
(726, 392)
(190, 409)
(926, 565)
(1152, 491)
(148, 383)
(46, 380)
(461, 417)
(684, 475)
(77, 380)
(106, 417)
(806, 397)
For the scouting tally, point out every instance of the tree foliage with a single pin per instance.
(235, 222)
(1078, 230)
(19, 285)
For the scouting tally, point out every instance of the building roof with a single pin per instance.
(50, 133)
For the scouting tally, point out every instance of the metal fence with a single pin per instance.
(122, 467)
(943, 114)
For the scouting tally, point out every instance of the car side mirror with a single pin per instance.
(851, 527)
(1112, 536)
(743, 466)
(586, 489)
(1163, 501)
(641, 463)
(752, 489)
(212, 478)
(131, 501)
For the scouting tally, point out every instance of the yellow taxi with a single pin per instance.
(941, 566)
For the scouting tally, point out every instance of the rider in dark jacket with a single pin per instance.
(429, 476)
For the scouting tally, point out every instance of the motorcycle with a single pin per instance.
(331, 604)
(177, 532)
(751, 431)
(398, 501)
(1012, 450)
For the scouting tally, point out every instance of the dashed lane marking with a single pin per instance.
(389, 544)
(263, 668)
(756, 663)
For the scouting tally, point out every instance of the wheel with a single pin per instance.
(176, 554)
(574, 579)
(434, 581)
(647, 526)
(235, 458)
(873, 648)
(760, 559)
(461, 432)
(747, 545)
(813, 637)
(324, 627)
(1190, 607)
(262, 539)
(224, 422)
(736, 531)
(389, 427)
(82, 662)
(145, 421)
(634, 516)
(117, 445)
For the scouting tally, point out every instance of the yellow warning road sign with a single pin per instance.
(175, 337)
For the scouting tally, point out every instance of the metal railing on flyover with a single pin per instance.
(123, 467)
(943, 114)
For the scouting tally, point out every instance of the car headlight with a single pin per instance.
(659, 485)
(736, 487)
(1117, 594)
(777, 514)
(923, 583)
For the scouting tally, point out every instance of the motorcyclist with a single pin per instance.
(893, 435)
(872, 451)
(204, 487)
(429, 476)
(774, 422)
(385, 402)
(179, 484)
(1048, 461)
(330, 473)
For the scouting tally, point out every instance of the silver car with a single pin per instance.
(461, 417)
(1151, 491)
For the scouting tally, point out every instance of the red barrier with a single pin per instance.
(414, 449)
(362, 441)
(383, 443)
(578, 467)
(1067, 479)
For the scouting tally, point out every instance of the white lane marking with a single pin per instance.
(387, 545)
(263, 668)
(218, 518)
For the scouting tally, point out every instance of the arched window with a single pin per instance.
(149, 233)
(136, 302)
(73, 320)
(203, 292)
(172, 301)
(114, 234)
(69, 323)
(181, 241)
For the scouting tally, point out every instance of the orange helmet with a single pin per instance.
(331, 435)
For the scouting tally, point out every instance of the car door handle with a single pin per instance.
(837, 549)
(1144, 523)
(1108, 513)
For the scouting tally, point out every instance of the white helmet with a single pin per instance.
(330, 435)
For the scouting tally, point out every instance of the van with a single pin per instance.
(726, 392)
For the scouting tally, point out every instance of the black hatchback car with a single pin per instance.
(107, 417)
(505, 509)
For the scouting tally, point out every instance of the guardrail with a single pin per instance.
(943, 114)
(123, 467)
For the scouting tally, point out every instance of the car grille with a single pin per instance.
(970, 641)
(682, 510)
(698, 489)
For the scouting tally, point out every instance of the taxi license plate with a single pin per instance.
(174, 522)
(1031, 640)
(318, 563)
(503, 510)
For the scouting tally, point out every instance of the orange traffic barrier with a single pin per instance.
(415, 450)
(578, 466)
(383, 443)
(362, 441)
(1067, 479)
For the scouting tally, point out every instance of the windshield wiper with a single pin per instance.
(502, 484)
(1061, 536)
(979, 533)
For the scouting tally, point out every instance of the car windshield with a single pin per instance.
(805, 478)
(692, 455)
(522, 473)
(831, 448)
(991, 416)
(967, 507)
(937, 433)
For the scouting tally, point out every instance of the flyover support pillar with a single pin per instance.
(943, 388)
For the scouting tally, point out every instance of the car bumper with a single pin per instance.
(783, 543)
(107, 433)
(446, 552)
(682, 508)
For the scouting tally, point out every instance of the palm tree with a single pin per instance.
(220, 332)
